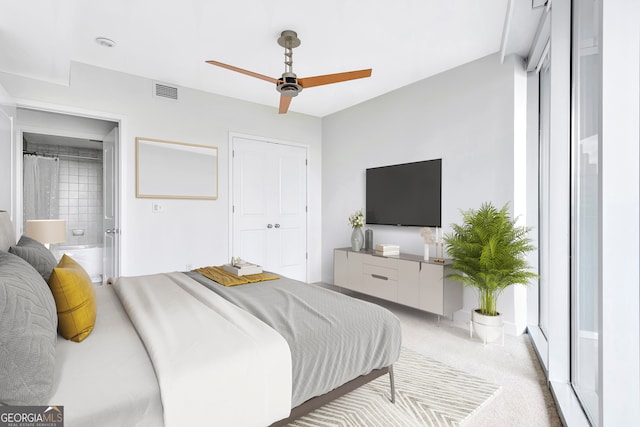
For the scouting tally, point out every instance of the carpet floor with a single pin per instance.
(524, 399)
(428, 393)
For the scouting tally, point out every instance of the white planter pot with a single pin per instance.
(487, 328)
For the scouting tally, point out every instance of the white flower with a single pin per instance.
(357, 219)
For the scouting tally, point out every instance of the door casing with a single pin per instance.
(119, 161)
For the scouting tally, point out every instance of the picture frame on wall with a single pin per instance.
(175, 170)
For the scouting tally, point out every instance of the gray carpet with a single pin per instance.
(428, 393)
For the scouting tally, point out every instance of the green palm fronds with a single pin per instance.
(488, 252)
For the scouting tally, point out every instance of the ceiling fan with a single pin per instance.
(289, 85)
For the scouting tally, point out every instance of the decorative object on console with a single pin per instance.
(368, 239)
(488, 253)
(439, 258)
(357, 238)
(387, 250)
(429, 239)
(47, 231)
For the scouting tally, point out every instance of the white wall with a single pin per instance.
(7, 114)
(37, 121)
(464, 116)
(188, 232)
(619, 344)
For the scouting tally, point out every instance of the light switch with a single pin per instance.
(157, 207)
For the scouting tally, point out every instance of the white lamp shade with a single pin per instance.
(47, 230)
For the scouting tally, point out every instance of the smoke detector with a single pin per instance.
(105, 42)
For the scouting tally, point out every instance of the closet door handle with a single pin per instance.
(277, 225)
(269, 226)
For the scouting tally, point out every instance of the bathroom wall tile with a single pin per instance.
(79, 190)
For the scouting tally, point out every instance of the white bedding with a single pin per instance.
(215, 363)
(108, 378)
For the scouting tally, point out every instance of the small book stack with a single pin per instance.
(242, 268)
(387, 250)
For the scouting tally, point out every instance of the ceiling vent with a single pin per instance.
(161, 90)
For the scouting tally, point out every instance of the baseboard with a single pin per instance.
(540, 346)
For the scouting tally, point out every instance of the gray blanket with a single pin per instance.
(333, 338)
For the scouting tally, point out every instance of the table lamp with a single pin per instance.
(47, 231)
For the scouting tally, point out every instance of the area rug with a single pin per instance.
(428, 393)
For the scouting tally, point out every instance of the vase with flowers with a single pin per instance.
(357, 238)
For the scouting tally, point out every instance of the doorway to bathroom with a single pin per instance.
(69, 171)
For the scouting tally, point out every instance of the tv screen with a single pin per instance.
(408, 194)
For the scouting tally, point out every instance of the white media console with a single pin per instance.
(405, 279)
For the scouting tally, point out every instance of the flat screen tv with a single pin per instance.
(408, 194)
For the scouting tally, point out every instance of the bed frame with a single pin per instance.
(316, 402)
(7, 239)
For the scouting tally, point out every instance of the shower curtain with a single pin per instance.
(40, 187)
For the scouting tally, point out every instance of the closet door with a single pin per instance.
(269, 218)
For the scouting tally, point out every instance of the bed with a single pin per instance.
(179, 349)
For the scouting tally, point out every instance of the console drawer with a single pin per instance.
(380, 286)
(381, 261)
(383, 272)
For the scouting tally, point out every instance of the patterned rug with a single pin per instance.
(428, 393)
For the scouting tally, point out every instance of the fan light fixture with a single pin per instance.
(289, 85)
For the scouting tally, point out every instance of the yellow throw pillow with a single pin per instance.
(75, 299)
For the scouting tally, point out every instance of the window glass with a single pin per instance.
(544, 192)
(586, 202)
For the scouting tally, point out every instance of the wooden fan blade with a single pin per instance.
(284, 104)
(240, 70)
(333, 78)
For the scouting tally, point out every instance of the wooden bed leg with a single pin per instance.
(393, 385)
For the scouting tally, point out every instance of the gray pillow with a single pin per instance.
(35, 254)
(28, 324)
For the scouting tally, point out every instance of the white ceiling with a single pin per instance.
(168, 41)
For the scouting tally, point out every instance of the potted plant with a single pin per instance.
(488, 252)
